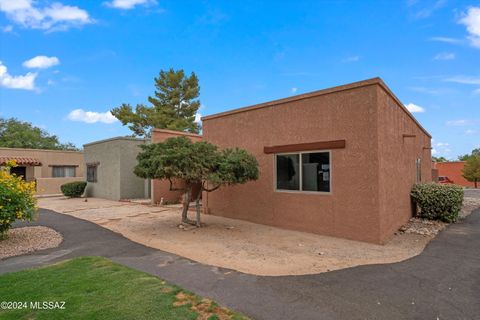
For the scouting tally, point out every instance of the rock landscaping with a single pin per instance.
(28, 239)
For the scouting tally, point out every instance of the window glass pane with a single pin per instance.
(58, 172)
(69, 171)
(92, 173)
(288, 172)
(316, 171)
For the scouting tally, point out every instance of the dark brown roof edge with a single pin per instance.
(353, 85)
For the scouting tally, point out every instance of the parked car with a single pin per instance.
(444, 180)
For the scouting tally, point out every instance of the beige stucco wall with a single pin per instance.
(48, 159)
(47, 186)
(366, 202)
(43, 174)
(351, 210)
(116, 159)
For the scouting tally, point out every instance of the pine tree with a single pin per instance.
(174, 106)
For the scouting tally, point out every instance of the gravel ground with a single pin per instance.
(431, 228)
(28, 239)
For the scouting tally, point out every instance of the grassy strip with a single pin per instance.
(97, 288)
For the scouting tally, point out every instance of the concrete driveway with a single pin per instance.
(441, 283)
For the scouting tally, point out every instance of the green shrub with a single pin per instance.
(17, 201)
(438, 201)
(73, 189)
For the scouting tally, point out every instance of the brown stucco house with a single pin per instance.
(48, 168)
(338, 162)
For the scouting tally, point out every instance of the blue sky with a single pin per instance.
(65, 63)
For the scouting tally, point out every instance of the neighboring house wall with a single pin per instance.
(46, 184)
(453, 170)
(115, 159)
(356, 208)
(161, 188)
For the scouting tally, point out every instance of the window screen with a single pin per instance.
(91, 173)
(63, 171)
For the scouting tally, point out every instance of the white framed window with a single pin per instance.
(303, 171)
(63, 171)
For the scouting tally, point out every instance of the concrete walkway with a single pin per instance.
(442, 283)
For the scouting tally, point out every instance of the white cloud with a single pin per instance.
(464, 80)
(476, 91)
(293, 90)
(461, 122)
(25, 82)
(54, 17)
(441, 148)
(7, 29)
(445, 56)
(414, 108)
(198, 117)
(470, 131)
(351, 59)
(446, 40)
(41, 62)
(91, 116)
(128, 4)
(472, 21)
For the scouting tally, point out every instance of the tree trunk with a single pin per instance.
(197, 206)
(475, 184)
(186, 204)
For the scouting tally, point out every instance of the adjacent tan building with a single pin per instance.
(338, 162)
(109, 169)
(49, 168)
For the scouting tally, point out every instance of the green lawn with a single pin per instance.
(97, 288)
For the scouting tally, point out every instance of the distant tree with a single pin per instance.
(19, 134)
(439, 159)
(471, 171)
(199, 163)
(174, 106)
(475, 152)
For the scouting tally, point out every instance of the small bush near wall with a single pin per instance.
(438, 201)
(17, 200)
(73, 189)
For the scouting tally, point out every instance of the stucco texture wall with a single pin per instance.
(115, 159)
(45, 184)
(161, 188)
(351, 210)
(370, 178)
(453, 170)
(400, 141)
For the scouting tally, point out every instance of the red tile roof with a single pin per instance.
(21, 161)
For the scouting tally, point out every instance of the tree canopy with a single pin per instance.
(475, 152)
(195, 163)
(471, 171)
(439, 159)
(173, 106)
(19, 134)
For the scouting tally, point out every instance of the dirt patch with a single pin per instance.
(28, 239)
(235, 244)
(205, 308)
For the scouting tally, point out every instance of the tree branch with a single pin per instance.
(210, 190)
(175, 189)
